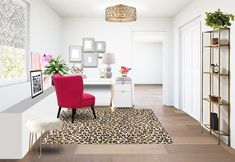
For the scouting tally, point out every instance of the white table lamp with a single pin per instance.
(108, 58)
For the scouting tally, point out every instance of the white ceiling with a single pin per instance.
(95, 8)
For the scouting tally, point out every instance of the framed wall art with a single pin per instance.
(90, 60)
(36, 82)
(100, 46)
(75, 54)
(88, 44)
(38, 62)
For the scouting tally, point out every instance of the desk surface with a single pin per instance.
(29, 102)
(98, 81)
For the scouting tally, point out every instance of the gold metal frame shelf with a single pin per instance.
(222, 75)
(216, 30)
(222, 102)
(222, 133)
(216, 46)
(212, 76)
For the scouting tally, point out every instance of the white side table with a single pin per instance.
(123, 92)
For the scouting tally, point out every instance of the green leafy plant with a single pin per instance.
(218, 19)
(56, 66)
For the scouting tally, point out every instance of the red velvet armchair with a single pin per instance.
(69, 92)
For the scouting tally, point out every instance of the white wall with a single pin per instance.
(195, 9)
(147, 63)
(45, 37)
(118, 37)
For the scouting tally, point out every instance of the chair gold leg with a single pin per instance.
(40, 145)
(36, 142)
(29, 141)
(32, 135)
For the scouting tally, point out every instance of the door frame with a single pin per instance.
(165, 45)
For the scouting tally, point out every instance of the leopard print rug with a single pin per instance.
(123, 126)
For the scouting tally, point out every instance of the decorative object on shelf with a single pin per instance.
(218, 19)
(76, 70)
(214, 68)
(102, 72)
(56, 66)
(36, 82)
(75, 54)
(124, 70)
(100, 46)
(214, 41)
(214, 121)
(120, 13)
(100, 55)
(90, 60)
(219, 83)
(214, 98)
(88, 44)
(108, 59)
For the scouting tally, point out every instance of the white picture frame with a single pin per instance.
(100, 46)
(90, 60)
(75, 54)
(88, 44)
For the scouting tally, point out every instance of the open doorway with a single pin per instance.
(147, 62)
(148, 68)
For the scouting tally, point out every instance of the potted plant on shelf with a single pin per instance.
(218, 19)
(56, 66)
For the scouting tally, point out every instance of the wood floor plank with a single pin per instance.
(122, 149)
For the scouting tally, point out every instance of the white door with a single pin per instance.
(191, 35)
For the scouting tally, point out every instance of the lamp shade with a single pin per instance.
(108, 58)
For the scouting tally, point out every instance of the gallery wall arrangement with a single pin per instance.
(87, 54)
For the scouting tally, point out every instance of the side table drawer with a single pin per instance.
(123, 87)
(123, 99)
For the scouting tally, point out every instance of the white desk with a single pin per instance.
(102, 89)
(98, 81)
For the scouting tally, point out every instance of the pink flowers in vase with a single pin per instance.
(124, 70)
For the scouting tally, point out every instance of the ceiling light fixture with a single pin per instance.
(120, 13)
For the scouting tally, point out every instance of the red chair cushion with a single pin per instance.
(88, 100)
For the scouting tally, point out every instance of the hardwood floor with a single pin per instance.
(189, 143)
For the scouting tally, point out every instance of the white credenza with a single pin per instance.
(123, 96)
